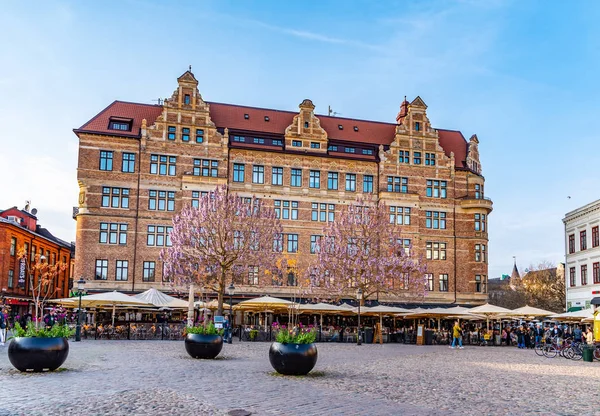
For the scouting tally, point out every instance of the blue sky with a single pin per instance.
(522, 75)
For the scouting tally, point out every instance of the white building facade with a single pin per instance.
(582, 254)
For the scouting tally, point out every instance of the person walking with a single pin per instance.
(577, 334)
(589, 336)
(3, 324)
(456, 336)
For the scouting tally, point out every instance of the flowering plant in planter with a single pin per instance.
(55, 331)
(298, 335)
(208, 329)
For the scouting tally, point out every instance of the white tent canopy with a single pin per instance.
(160, 299)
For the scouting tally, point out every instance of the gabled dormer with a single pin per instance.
(473, 162)
(305, 133)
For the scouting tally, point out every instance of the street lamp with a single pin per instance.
(80, 286)
(359, 295)
(230, 292)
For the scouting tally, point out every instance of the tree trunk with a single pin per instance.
(190, 319)
(220, 293)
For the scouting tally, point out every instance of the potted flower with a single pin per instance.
(204, 341)
(42, 344)
(294, 351)
(38, 348)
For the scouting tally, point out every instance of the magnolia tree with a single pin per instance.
(361, 249)
(223, 236)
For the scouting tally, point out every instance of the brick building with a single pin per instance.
(139, 164)
(19, 229)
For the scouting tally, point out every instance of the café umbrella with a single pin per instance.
(162, 300)
(490, 311)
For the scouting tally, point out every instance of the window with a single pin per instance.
(238, 172)
(253, 275)
(436, 251)
(122, 270)
(368, 184)
(13, 246)
(292, 243)
(332, 180)
(367, 151)
(163, 165)
(11, 279)
(332, 148)
(314, 179)
(287, 210)
(435, 220)
(480, 254)
(119, 125)
(315, 243)
(149, 267)
(26, 249)
(429, 281)
(161, 200)
(296, 143)
(351, 182)
(196, 198)
(258, 174)
(443, 282)
(306, 124)
(32, 257)
(240, 139)
(171, 130)
(582, 240)
(584, 274)
(596, 272)
(296, 178)
(571, 243)
(128, 165)
(186, 99)
(115, 197)
(595, 237)
(199, 136)
(400, 215)
(277, 176)
(572, 276)
(349, 150)
(158, 236)
(322, 212)
(185, 134)
(206, 167)
(429, 159)
(113, 233)
(278, 243)
(277, 142)
(106, 160)
(397, 184)
(406, 245)
(417, 158)
(417, 126)
(101, 269)
(404, 156)
(480, 283)
(258, 140)
(478, 191)
(436, 189)
(314, 145)
(480, 222)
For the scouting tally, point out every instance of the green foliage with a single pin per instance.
(296, 336)
(56, 331)
(209, 329)
(253, 334)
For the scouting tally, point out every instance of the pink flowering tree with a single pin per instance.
(362, 249)
(219, 240)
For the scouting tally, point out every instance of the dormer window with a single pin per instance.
(367, 151)
(266, 118)
(246, 116)
(355, 128)
(186, 99)
(417, 126)
(332, 148)
(349, 150)
(340, 127)
(122, 124)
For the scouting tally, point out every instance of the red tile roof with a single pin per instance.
(232, 117)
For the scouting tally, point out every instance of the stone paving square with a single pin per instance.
(159, 378)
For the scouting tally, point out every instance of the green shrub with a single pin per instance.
(296, 336)
(56, 331)
(209, 329)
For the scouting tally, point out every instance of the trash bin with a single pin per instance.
(368, 334)
(588, 353)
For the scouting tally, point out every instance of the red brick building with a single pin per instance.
(139, 164)
(19, 229)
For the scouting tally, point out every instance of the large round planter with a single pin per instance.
(293, 359)
(38, 354)
(203, 346)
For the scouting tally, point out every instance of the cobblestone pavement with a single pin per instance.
(159, 378)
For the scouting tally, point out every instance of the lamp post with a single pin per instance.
(359, 295)
(80, 286)
(230, 292)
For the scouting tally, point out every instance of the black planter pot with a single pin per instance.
(38, 354)
(293, 359)
(203, 346)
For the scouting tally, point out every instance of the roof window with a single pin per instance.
(340, 127)
(266, 118)
(118, 123)
(246, 116)
(355, 128)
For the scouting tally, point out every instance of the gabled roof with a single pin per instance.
(232, 116)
